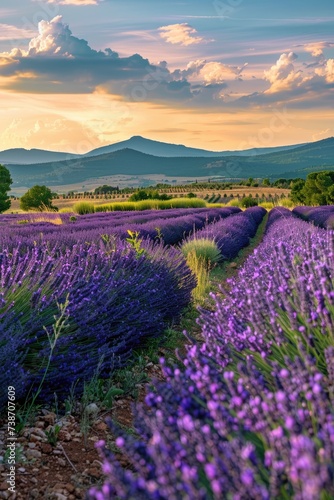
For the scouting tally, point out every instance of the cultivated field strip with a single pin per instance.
(320, 216)
(250, 415)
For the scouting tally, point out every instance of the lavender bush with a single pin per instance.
(322, 216)
(169, 226)
(251, 414)
(233, 233)
(116, 298)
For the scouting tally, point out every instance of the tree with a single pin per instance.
(149, 194)
(140, 195)
(266, 182)
(297, 194)
(316, 190)
(105, 189)
(249, 202)
(282, 183)
(38, 198)
(5, 183)
(330, 195)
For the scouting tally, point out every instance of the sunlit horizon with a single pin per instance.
(76, 76)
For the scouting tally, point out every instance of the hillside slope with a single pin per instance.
(295, 163)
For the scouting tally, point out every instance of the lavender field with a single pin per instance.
(117, 290)
(248, 412)
(251, 413)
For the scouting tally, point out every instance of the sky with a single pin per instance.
(215, 74)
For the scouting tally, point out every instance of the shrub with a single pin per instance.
(233, 233)
(268, 205)
(203, 248)
(250, 415)
(200, 268)
(322, 216)
(234, 203)
(286, 202)
(116, 298)
(65, 210)
(152, 204)
(37, 198)
(249, 202)
(83, 208)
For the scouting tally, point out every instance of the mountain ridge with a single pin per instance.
(138, 143)
(163, 149)
(294, 163)
(33, 155)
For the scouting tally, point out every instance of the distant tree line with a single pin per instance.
(148, 194)
(317, 189)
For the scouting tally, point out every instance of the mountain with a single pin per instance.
(292, 163)
(30, 156)
(164, 149)
(33, 156)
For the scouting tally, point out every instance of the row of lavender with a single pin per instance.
(117, 296)
(252, 413)
(169, 226)
(320, 216)
(231, 234)
(114, 297)
(107, 217)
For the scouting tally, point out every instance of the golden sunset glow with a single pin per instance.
(189, 75)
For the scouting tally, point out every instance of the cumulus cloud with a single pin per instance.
(210, 72)
(283, 75)
(56, 61)
(216, 72)
(180, 34)
(327, 71)
(55, 39)
(64, 63)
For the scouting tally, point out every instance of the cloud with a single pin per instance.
(79, 3)
(316, 49)
(9, 32)
(283, 76)
(49, 131)
(216, 72)
(327, 71)
(64, 63)
(210, 72)
(180, 34)
(55, 39)
(57, 62)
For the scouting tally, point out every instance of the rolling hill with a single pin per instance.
(289, 163)
(164, 149)
(137, 143)
(30, 156)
